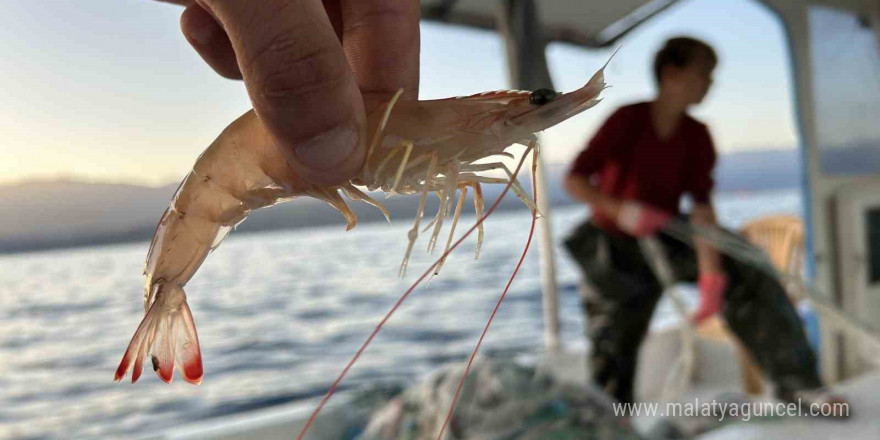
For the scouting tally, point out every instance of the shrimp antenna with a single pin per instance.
(406, 295)
(522, 257)
(601, 72)
(606, 62)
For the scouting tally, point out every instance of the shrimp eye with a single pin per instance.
(542, 96)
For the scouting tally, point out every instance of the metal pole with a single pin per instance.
(527, 65)
(874, 21)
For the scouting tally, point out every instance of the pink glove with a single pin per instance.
(640, 220)
(712, 286)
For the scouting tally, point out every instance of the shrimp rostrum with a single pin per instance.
(413, 147)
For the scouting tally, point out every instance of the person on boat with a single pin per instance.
(633, 174)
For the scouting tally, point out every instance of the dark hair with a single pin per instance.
(682, 52)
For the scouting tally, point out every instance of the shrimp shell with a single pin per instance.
(415, 147)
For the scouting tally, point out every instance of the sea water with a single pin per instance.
(278, 314)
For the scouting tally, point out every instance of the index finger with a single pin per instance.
(381, 42)
(299, 83)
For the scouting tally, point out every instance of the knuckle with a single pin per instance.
(369, 17)
(286, 68)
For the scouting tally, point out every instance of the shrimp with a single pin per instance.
(414, 147)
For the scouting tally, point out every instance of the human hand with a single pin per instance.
(640, 220)
(308, 65)
(712, 286)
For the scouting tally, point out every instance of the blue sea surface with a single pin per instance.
(278, 314)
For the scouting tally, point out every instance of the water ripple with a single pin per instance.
(275, 324)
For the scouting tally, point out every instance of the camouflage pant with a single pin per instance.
(624, 291)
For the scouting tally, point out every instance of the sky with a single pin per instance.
(113, 92)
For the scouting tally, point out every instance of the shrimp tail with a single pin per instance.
(168, 335)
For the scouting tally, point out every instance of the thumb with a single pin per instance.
(299, 82)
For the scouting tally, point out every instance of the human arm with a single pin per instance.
(708, 258)
(712, 280)
(630, 216)
(603, 148)
(601, 161)
(582, 190)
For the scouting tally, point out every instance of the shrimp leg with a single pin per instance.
(355, 194)
(451, 182)
(414, 232)
(408, 146)
(516, 187)
(478, 209)
(455, 217)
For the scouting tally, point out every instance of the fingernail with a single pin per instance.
(327, 150)
(202, 28)
(203, 36)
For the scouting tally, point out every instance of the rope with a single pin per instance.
(684, 231)
(683, 368)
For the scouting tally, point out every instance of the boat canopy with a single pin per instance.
(570, 21)
(596, 23)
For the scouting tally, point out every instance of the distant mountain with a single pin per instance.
(857, 157)
(41, 215)
(44, 215)
(759, 170)
(47, 215)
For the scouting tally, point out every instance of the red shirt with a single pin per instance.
(627, 160)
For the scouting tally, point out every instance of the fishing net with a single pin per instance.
(499, 400)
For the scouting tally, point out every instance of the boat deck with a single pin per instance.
(716, 376)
